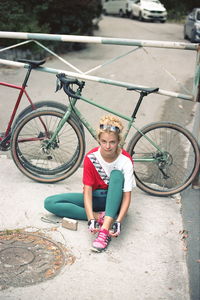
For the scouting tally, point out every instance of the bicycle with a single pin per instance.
(49, 145)
(5, 136)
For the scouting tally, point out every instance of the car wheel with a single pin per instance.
(121, 13)
(128, 14)
(141, 17)
(193, 36)
(104, 12)
(184, 33)
(132, 15)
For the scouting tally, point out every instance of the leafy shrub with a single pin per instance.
(49, 16)
(177, 10)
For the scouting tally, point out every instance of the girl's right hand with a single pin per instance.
(93, 226)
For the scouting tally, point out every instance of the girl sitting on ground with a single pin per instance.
(108, 181)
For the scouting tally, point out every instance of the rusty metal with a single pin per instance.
(29, 258)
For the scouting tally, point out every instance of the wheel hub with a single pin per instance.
(164, 159)
(46, 146)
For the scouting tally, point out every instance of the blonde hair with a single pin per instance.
(111, 121)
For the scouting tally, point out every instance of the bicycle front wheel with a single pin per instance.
(47, 164)
(169, 170)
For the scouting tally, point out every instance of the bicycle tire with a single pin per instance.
(182, 152)
(39, 170)
(47, 104)
(64, 157)
(29, 109)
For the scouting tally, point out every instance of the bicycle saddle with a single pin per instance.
(143, 89)
(33, 63)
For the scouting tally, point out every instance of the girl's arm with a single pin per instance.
(88, 201)
(123, 211)
(124, 206)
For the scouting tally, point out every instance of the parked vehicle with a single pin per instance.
(192, 26)
(141, 9)
(147, 10)
(115, 7)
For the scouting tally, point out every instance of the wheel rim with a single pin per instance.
(31, 141)
(177, 168)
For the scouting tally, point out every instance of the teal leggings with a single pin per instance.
(71, 205)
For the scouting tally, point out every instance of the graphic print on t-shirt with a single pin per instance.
(99, 168)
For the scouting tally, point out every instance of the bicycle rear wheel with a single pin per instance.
(170, 171)
(29, 151)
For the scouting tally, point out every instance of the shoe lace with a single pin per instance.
(103, 237)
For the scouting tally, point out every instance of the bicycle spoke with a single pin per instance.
(32, 152)
(173, 167)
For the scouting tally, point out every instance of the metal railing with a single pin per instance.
(138, 44)
(34, 37)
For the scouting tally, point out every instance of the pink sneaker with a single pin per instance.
(102, 241)
(101, 218)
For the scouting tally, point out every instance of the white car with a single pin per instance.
(147, 10)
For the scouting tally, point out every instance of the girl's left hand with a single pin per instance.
(116, 229)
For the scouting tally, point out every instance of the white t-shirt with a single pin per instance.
(122, 163)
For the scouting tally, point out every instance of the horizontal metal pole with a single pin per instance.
(95, 79)
(98, 40)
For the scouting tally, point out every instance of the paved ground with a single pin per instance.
(148, 260)
(191, 222)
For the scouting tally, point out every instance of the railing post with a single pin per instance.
(196, 181)
(196, 83)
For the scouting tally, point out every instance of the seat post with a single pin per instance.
(142, 95)
(24, 84)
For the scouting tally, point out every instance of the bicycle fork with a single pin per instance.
(51, 142)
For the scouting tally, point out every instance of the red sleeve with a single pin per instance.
(88, 172)
(90, 175)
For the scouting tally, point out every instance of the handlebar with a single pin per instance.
(64, 82)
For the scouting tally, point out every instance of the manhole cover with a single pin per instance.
(29, 258)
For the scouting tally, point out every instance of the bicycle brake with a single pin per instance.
(66, 82)
(59, 85)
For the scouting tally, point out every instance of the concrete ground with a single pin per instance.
(147, 261)
(191, 223)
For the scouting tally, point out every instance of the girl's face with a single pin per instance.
(109, 142)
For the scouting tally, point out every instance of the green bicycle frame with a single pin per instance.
(131, 120)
